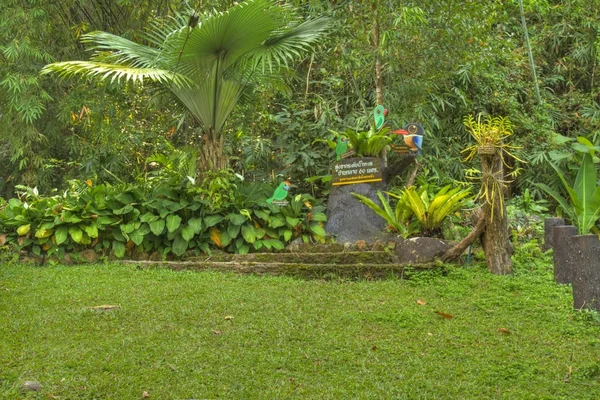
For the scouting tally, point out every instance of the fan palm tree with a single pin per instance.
(207, 62)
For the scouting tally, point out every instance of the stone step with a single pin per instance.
(353, 257)
(362, 270)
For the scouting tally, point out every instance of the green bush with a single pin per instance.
(158, 216)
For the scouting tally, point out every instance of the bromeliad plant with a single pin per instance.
(431, 210)
(398, 218)
(584, 195)
(366, 143)
(419, 210)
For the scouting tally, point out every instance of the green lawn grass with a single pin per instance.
(173, 337)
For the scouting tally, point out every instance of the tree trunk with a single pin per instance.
(211, 156)
(495, 237)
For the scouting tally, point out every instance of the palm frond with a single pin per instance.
(118, 50)
(286, 46)
(103, 71)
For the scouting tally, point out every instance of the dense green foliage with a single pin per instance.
(206, 335)
(158, 216)
(439, 62)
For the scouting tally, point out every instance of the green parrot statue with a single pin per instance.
(280, 193)
(379, 114)
(340, 148)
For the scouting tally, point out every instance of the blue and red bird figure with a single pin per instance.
(413, 136)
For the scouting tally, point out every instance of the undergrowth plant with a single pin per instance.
(419, 211)
(366, 143)
(158, 217)
(583, 206)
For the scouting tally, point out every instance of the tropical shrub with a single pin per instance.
(156, 217)
(367, 143)
(398, 218)
(584, 195)
(431, 210)
(419, 210)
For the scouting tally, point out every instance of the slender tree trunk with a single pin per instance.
(495, 239)
(378, 70)
(211, 156)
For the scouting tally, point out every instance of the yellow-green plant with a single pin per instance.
(398, 218)
(366, 143)
(431, 211)
(490, 136)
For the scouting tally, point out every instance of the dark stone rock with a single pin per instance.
(563, 253)
(31, 386)
(349, 246)
(586, 276)
(360, 245)
(549, 224)
(89, 256)
(421, 250)
(156, 256)
(350, 220)
(378, 246)
(141, 256)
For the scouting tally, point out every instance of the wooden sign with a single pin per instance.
(350, 171)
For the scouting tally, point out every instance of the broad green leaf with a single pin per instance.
(187, 233)
(180, 245)
(157, 227)
(76, 234)
(243, 249)
(118, 248)
(91, 230)
(196, 224)
(236, 219)
(148, 217)
(292, 221)
(262, 215)
(248, 233)
(173, 222)
(225, 239)
(137, 237)
(212, 220)
(124, 210)
(61, 234)
(287, 235)
(276, 222)
(43, 233)
(318, 230)
(128, 228)
(23, 230)
(319, 217)
(125, 198)
(233, 230)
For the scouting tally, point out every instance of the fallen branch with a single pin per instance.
(456, 251)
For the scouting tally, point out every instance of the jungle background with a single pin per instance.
(434, 62)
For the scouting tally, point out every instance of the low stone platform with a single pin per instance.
(356, 265)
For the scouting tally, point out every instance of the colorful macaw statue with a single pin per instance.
(379, 113)
(281, 192)
(413, 136)
(340, 148)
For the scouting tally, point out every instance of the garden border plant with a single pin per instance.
(127, 219)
